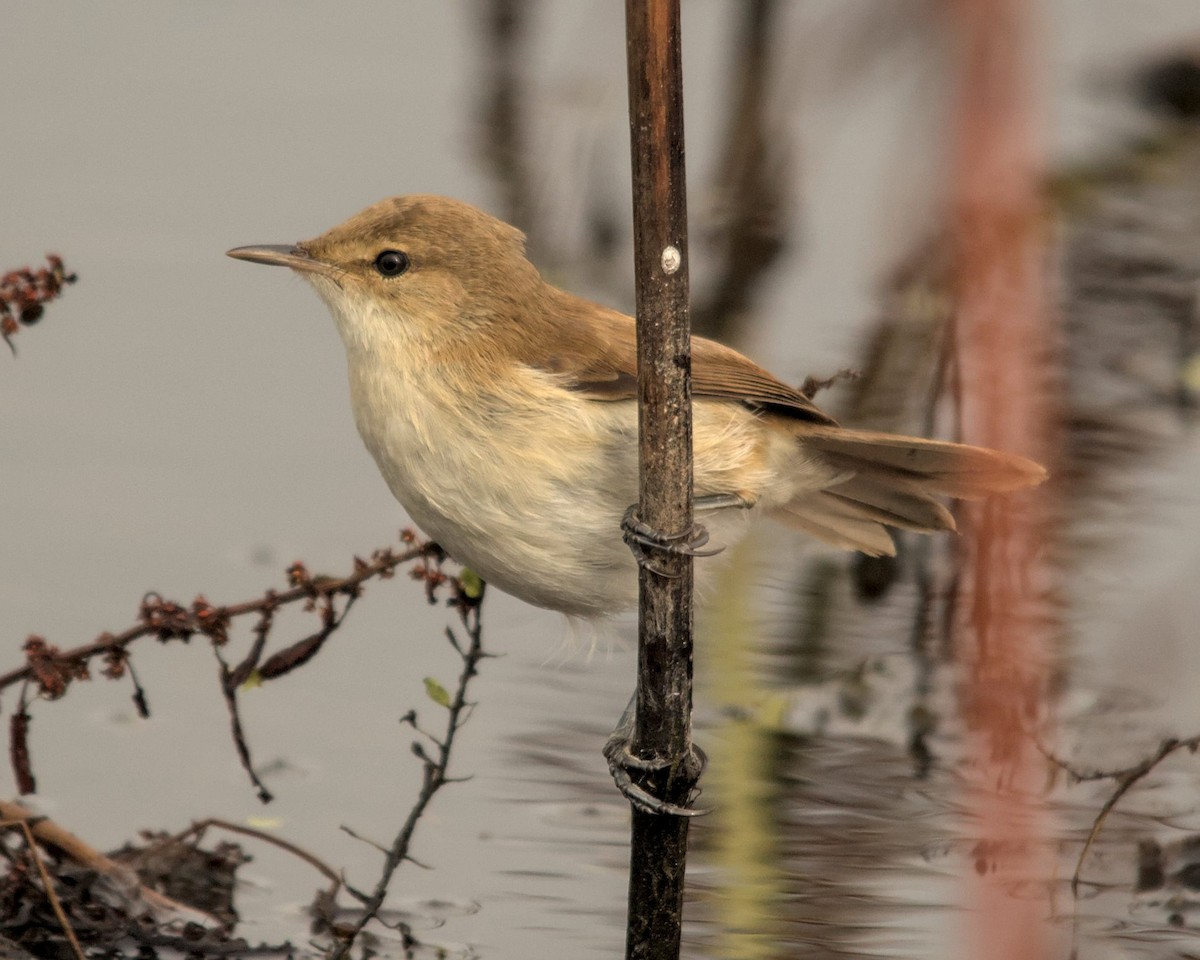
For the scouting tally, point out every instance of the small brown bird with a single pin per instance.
(502, 412)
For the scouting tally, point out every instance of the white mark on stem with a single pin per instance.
(672, 260)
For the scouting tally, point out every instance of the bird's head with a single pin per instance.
(413, 268)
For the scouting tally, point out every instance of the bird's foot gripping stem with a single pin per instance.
(633, 775)
(644, 540)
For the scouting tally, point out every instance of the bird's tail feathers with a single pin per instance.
(886, 480)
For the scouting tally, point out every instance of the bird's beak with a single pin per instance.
(281, 255)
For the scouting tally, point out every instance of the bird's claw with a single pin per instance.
(643, 540)
(621, 761)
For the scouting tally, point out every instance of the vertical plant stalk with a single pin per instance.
(1007, 401)
(664, 686)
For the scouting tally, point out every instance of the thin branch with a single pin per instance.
(229, 692)
(435, 772)
(361, 839)
(294, 656)
(168, 620)
(18, 745)
(199, 828)
(1126, 778)
(52, 671)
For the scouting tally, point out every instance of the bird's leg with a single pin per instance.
(722, 501)
(643, 539)
(623, 765)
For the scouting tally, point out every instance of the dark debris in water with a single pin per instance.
(201, 878)
(98, 917)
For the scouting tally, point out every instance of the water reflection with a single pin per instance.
(840, 773)
(848, 809)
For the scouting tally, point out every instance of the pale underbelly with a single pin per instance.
(537, 512)
(565, 556)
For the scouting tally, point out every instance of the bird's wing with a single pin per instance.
(596, 354)
(719, 371)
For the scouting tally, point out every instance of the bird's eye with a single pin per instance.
(391, 263)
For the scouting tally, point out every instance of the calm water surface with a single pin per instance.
(180, 423)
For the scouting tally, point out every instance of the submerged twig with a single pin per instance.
(1126, 778)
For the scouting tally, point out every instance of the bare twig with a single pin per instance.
(200, 827)
(18, 746)
(354, 834)
(51, 671)
(171, 619)
(294, 656)
(1126, 778)
(435, 767)
(229, 692)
